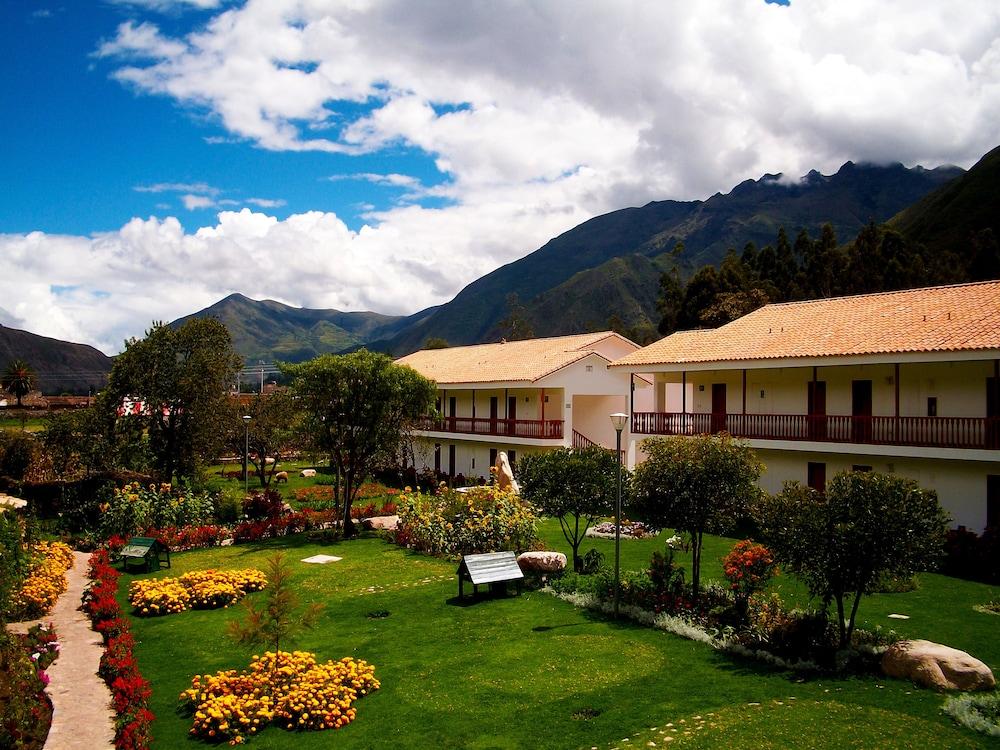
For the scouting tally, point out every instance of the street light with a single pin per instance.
(246, 454)
(618, 421)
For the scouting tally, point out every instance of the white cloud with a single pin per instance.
(266, 202)
(170, 5)
(177, 187)
(392, 179)
(540, 115)
(193, 202)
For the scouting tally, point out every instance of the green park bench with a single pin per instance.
(493, 568)
(144, 551)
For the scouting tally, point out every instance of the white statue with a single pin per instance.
(504, 475)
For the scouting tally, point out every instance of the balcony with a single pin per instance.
(928, 432)
(543, 429)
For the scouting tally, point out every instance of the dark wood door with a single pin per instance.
(494, 414)
(816, 476)
(437, 460)
(451, 461)
(718, 407)
(511, 413)
(993, 413)
(861, 411)
(817, 410)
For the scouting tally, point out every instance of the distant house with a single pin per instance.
(905, 382)
(521, 397)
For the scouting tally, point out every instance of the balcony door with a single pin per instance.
(861, 411)
(718, 407)
(993, 413)
(494, 414)
(511, 414)
(817, 410)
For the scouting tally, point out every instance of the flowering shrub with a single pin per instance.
(289, 523)
(263, 504)
(483, 519)
(289, 690)
(129, 691)
(200, 589)
(45, 582)
(25, 709)
(182, 538)
(748, 567)
(134, 507)
(630, 530)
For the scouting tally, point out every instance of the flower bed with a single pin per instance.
(630, 530)
(288, 690)
(482, 519)
(201, 589)
(135, 507)
(130, 692)
(45, 583)
(25, 709)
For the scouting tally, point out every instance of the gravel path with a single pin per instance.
(81, 702)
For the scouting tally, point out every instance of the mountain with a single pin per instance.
(949, 217)
(267, 330)
(62, 367)
(562, 285)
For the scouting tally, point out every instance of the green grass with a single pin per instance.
(534, 672)
(31, 424)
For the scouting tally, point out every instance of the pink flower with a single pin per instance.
(43, 677)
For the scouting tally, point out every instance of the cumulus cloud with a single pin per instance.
(540, 115)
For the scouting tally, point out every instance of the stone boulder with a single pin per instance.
(936, 666)
(386, 523)
(307, 473)
(541, 562)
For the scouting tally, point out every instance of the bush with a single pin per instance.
(17, 452)
(133, 508)
(484, 519)
(228, 505)
(262, 505)
(980, 713)
(973, 557)
(25, 710)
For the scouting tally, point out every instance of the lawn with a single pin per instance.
(533, 672)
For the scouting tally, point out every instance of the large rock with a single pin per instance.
(541, 562)
(936, 666)
(381, 522)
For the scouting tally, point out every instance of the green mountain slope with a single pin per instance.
(752, 211)
(949, 217)
(62, 367)
(267, 330)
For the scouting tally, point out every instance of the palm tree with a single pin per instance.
(18, 380)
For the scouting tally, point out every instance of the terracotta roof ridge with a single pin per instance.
(867, 294)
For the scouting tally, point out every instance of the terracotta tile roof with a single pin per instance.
(511, 361)
(945, 318)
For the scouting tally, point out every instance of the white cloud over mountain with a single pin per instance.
(540, 114)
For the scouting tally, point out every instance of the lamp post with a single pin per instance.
(246, 454)
(618, 420)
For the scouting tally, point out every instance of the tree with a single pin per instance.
(516, 326)
(695, 485)
(270, 432)
(699, 293)
(670, 301)
(436, 342)
(575, 486)
(866, 526)
(275, 620)
(358, 407)
(18, 379)
(175, 382)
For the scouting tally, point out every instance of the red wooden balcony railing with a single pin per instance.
(932, 432)
(545, 429)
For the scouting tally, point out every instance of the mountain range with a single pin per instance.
(607, 266)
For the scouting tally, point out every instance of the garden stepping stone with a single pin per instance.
(894, 616)
(321, 559)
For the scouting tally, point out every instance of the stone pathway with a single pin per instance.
(81, 702)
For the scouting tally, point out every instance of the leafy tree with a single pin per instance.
(270, 432)
(866, 526)
(180, 378)
(985, 262)
(516, 326)
(18, 379)
(822, 265)
(18, 451)
(575, 486)
(670, 301)
(276, 619)
(728, 306)
(358, 407)
(436, 342)
(699, 293)
(695, 485)
(93, 439)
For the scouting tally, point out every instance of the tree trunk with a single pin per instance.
(854, 614)
(840, 619)
(695, 565)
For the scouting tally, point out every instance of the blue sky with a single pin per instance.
(78, 144)
(161, 154)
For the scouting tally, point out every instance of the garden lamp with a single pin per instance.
(246, 454)
(618, 421)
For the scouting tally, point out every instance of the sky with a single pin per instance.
(158, 155)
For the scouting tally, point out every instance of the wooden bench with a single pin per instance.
(491, 568)
(146, 551)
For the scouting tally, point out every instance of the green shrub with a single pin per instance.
(14, 560)
(228, 505)
(135, 508)
(980, 713)
(17, 452)
(483, 519)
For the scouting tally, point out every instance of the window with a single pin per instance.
(861, 467)
(816, 476)
(512, 457)
(932, 406)
(493, 456)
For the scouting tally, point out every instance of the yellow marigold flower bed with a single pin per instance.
(289, 690)
(47, 580)
(200, 589)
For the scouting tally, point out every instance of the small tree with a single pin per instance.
(358, 407)
(275, 620)
(694, 485)
(575, 486)
(270, 432)
(866, 526)
(18, 379)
